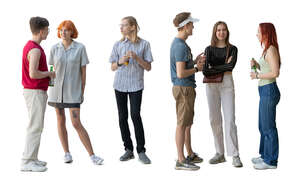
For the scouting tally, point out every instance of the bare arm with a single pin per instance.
(83, 78)
(145, 65)
(34, 58)
(182, 72)
(114, 66)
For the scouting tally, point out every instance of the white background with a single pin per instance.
(97, 23)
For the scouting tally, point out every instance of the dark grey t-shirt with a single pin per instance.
(181, 52)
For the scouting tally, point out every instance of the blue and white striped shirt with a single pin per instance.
(130, 78)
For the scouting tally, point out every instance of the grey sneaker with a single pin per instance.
(194, 158)
(143, 158)
(236, 161)
(218, 158)
(257, 160)
(186, 165)
(128, 155)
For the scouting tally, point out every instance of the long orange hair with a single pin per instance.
(269, 37)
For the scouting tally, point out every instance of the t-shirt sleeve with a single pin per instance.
(147, 53)
(84, 57)
(51, 57)
(181, 53)
(114, 56)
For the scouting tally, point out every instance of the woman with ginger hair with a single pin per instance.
(69, 59)
(269, 66)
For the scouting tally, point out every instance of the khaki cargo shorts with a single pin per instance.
(185, 100)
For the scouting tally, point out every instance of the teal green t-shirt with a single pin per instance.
(181, 52)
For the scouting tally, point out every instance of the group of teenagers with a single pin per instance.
(129, 58)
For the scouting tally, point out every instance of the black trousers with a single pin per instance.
(135, 108)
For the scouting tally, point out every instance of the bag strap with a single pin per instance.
(227, 53)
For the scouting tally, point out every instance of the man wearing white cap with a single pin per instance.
(184, 84)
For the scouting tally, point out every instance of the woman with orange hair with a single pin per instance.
(69, 59)
(269, 65)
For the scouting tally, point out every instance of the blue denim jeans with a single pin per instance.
(269, 147)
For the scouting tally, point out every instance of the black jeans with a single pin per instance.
(135, 108)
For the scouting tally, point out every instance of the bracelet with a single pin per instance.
(196, 69)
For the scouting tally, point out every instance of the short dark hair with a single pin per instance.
(37, 24)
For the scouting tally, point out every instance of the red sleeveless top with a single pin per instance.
(29, 83)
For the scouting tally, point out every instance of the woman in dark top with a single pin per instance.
(221, 58)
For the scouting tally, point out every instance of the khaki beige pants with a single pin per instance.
(36, 104)
(222, 94)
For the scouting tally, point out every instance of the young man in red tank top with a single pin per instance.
(35, 79)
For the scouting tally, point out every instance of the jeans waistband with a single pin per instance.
(269, 90)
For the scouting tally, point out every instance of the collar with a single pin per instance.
(125, 40)
(73, 45)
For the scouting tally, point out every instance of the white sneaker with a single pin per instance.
(263, 166)
(41, 163)
(96, 160)
(32, 166)
(68, 158)
(257, 160)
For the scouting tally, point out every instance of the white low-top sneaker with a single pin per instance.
(97, 160)
(68, 158)
(41, 163)
(32, 166)
(263, 166)
(257, 160)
